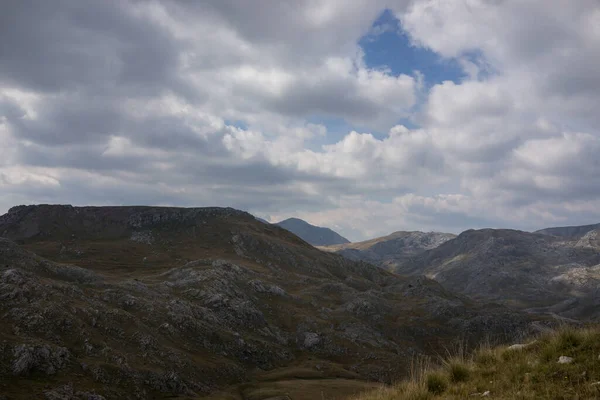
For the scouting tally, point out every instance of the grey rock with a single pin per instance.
(311, 339)
(67, 392)
(45, 359)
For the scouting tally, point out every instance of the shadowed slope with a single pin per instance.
(315, 235)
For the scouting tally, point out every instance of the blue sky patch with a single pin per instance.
(389, 46)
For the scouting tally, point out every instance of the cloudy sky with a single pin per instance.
(367, 116)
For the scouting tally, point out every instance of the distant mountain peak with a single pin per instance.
(315, 235)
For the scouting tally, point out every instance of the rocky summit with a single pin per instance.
(151, 302)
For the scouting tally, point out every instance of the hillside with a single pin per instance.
(569, 231)
(392, 250)
(315, 235)
(150, 302)
(556, 365)
(521, 269)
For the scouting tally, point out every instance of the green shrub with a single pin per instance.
(436, 383)
(568, 339)
(458, 372)
(486, 357)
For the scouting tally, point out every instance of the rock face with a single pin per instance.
(391, 251)
(525, 270)
(149, 302)
(314, 235)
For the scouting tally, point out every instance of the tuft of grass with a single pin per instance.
(568, 339)
(436, 383)
(458, 371)
(486, 357)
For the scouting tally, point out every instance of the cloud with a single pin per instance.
(227, 103)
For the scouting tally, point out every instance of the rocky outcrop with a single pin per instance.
(45, 359)
(66, 222)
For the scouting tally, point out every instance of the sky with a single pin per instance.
(368, 117)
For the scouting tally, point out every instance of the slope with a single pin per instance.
(315, 235)
(517, 268)
(149, 302)
(561, 364)
(569, 231)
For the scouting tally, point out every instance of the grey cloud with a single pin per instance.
(66, 45)
(288, 27)
(76, 119)
(334, 97)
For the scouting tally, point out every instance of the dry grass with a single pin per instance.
(532, 372)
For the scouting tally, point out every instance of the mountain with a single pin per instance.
(314, 235)
(569, 231)
(392, 250)
(150, 302)
(532, 271)
(264, 221)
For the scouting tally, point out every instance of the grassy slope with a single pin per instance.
(529, 373)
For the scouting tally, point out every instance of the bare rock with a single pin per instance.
(521, 346)
(565, 360)
(67, 392)
(261, 287)
(44, 358)
(311, 339)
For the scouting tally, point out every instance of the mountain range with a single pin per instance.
(152, 302)
(554, 271)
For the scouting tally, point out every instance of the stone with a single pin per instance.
(518, 346)
(565, 360)
(311, 339)
(41, 358)
(521, 346)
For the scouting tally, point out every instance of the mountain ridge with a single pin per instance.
(569, 231)
(315, 235)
